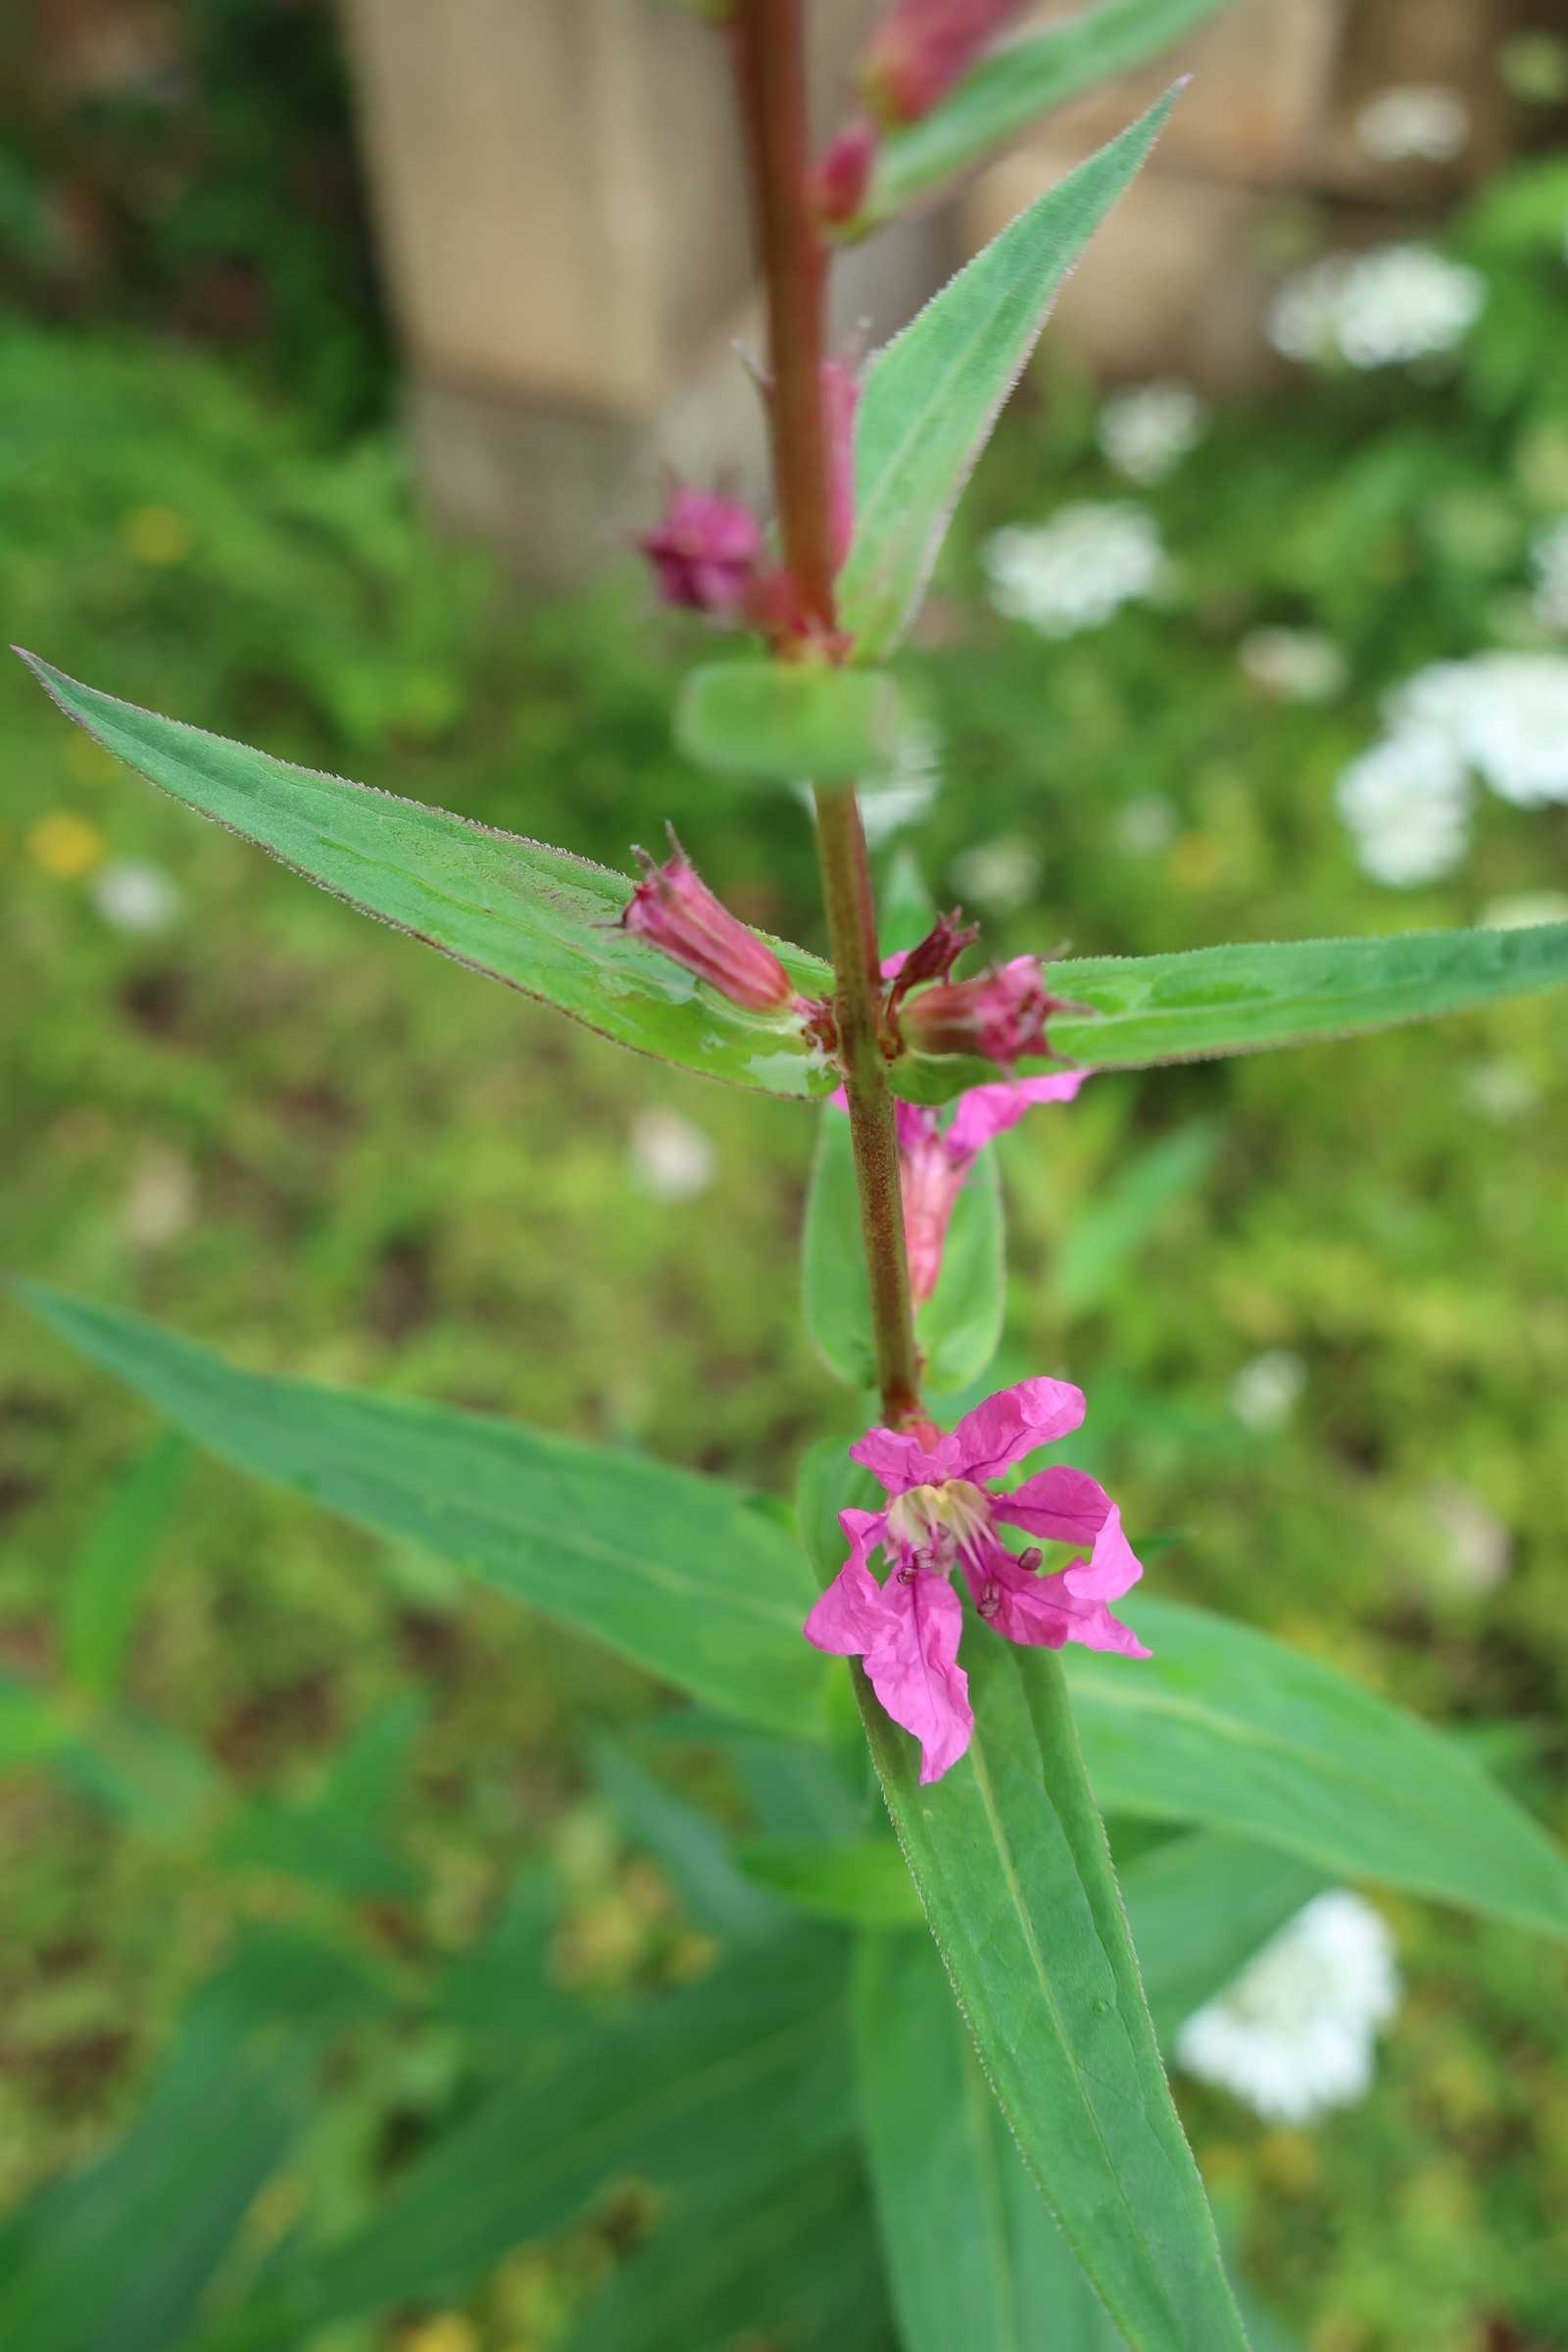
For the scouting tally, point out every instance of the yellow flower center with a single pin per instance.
(940, 1522)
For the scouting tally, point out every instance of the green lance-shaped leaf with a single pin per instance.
(537, 918)
(1010, 91)
(932, 397)
(1015, 1873)
(1240, 999)
(787, 722)
(959, 1327)
(1225, 1727)
(708, 2094)
(112, 1568)
(122, 2253)
(998, 2273)
(790, 2259)
(855, 1882)
(1202, 1906)
(695, 1581)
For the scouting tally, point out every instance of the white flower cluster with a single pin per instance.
(1075, 571)
(136, 898)
(1299, 665)
(1415, 122)
(1549, 556)
(671, 1158)
(1267, 1392)
(1296, 2032)
(1146, 431)
(1406, 803)
(1500, 717)
(1001, 875)
(1382, 309)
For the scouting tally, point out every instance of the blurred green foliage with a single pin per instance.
(191, 168)
(296, 1137)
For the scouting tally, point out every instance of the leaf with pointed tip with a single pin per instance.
(931, 399)
(697, 1582)
(538, 920)
(1010, 91)
(1143, 1009)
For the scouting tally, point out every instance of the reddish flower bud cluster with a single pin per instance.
(913, 58)
(705, 551)
(676, 911)
(922, 47)
(1001, 1016)
(841, 176)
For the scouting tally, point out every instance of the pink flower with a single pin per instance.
(935, 1163)
(674, 910)
(705, 551)
(940, 1515)
(1001, 1016)
(843, 174)
(922, 47)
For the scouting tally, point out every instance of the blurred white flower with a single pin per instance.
(1076, 570)
(670, 1157)
(1299, 665)
(1000, 875)
(1505, 714)
(1524, 910)
(1416, 122)
(1548, 556)
(1146, 824)
(1147, 430)
(1381, 308)
(1475, 1550)
(1406, 803)
(1500, 1091)
(160, 1200)
(134, 898)
(1267, 1392)
(1296, 2032)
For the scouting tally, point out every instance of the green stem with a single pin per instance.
(770, 63)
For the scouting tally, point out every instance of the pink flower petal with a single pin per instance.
(901, 1461)
(1069, 1506)
(854, 1614)
(1042, 1612)
(1113, 1567)
(915, 1674)
(987, 1111)
(1010, 1424)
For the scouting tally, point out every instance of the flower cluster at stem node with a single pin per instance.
(941, 1515)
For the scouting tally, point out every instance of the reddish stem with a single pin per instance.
(771, 62)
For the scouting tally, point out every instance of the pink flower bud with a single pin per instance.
(705, 551)
(839, 181)
(841, 397)
(677, 913)
(1000, 1016)
(932, 959)
(922, 47)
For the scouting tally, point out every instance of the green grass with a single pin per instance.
(372, 1167)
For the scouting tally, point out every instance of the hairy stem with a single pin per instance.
(770, 56)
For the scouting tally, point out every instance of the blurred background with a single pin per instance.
(339, 355)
